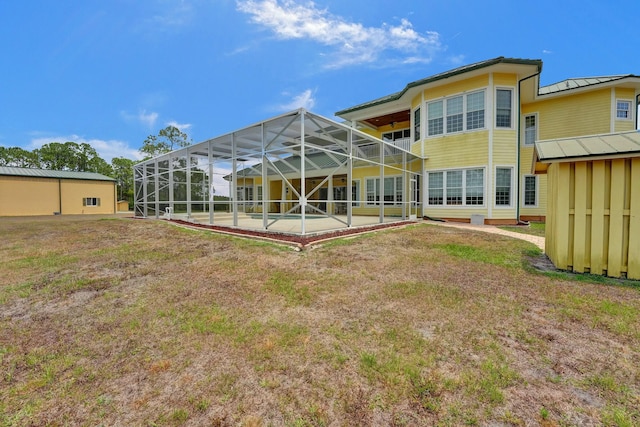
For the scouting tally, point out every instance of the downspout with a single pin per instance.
(519, 132)
(60, 195)
(637, 111)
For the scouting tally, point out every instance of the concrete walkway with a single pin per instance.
(536, 240)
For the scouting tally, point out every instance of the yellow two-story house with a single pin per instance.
(475, 128)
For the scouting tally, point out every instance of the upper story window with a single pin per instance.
(396, 135)
(530, 129)
(416, 124)
(623, 110)
(503, 108)
(456, 114)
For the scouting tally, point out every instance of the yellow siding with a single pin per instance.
(501, 79)
(21, 196)
(458, 150)
(505, 147)
(456, 87)
(74, 191)
(24, 196)
(416, 101)
(625, 125)
(580, 114)
(526, 158)
(593, 217)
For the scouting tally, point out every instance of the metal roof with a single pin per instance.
(576, 83)
(609, 146)
(44, 173)
(442, 76)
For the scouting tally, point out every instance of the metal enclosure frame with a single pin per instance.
(288, 174)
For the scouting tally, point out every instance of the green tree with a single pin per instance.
(168, 139)
(18, 157)
(123, 173)
(73, 157)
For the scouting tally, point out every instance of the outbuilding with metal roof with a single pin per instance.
(29, 191)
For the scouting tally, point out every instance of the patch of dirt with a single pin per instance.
(541, 263)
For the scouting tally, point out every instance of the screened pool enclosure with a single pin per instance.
(297, 173)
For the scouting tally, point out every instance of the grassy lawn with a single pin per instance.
(135, 322)
(534, 228)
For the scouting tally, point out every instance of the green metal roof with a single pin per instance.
(579, 82)
(615, 145)
(442, 76)
(44, 173)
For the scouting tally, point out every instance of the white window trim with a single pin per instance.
(86, 200)
(376, 204)
(464, 189)
(412, 133)
(424, 129)
(394, 130)
(355, 198)
(495, 181)
(615, 110)
(524, 179)
(495, 107)
(258, 197)
(524, 129)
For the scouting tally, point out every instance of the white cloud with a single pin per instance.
(547, 52)
(353, 42)
(146, 119)
(107, 149)
(182, 126)
(304, 100)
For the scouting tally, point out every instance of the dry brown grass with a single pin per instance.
(126, 322)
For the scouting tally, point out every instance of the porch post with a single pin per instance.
(349, 176)
(265, 186)
(234, 180)
(211, 193)
(303, 186)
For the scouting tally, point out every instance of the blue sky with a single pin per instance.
(112, 72)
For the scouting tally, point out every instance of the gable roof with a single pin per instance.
(576, 83)
(442, 76)
(44, 173)
(592, 147)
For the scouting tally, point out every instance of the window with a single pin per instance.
(623, 110)
(392, 190)
(456, 114)
(436, 188)
(475, 110)
(259, 193)
(463, 187)
(396, 135)
(454, 187)
(503, 108)
(416, 125)
(91, 201)
(434, 118)
(503, 186)
(530, 129)
(474, 187)
(355, 193)
(530, 190)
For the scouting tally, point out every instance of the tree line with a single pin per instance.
(82, 157)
